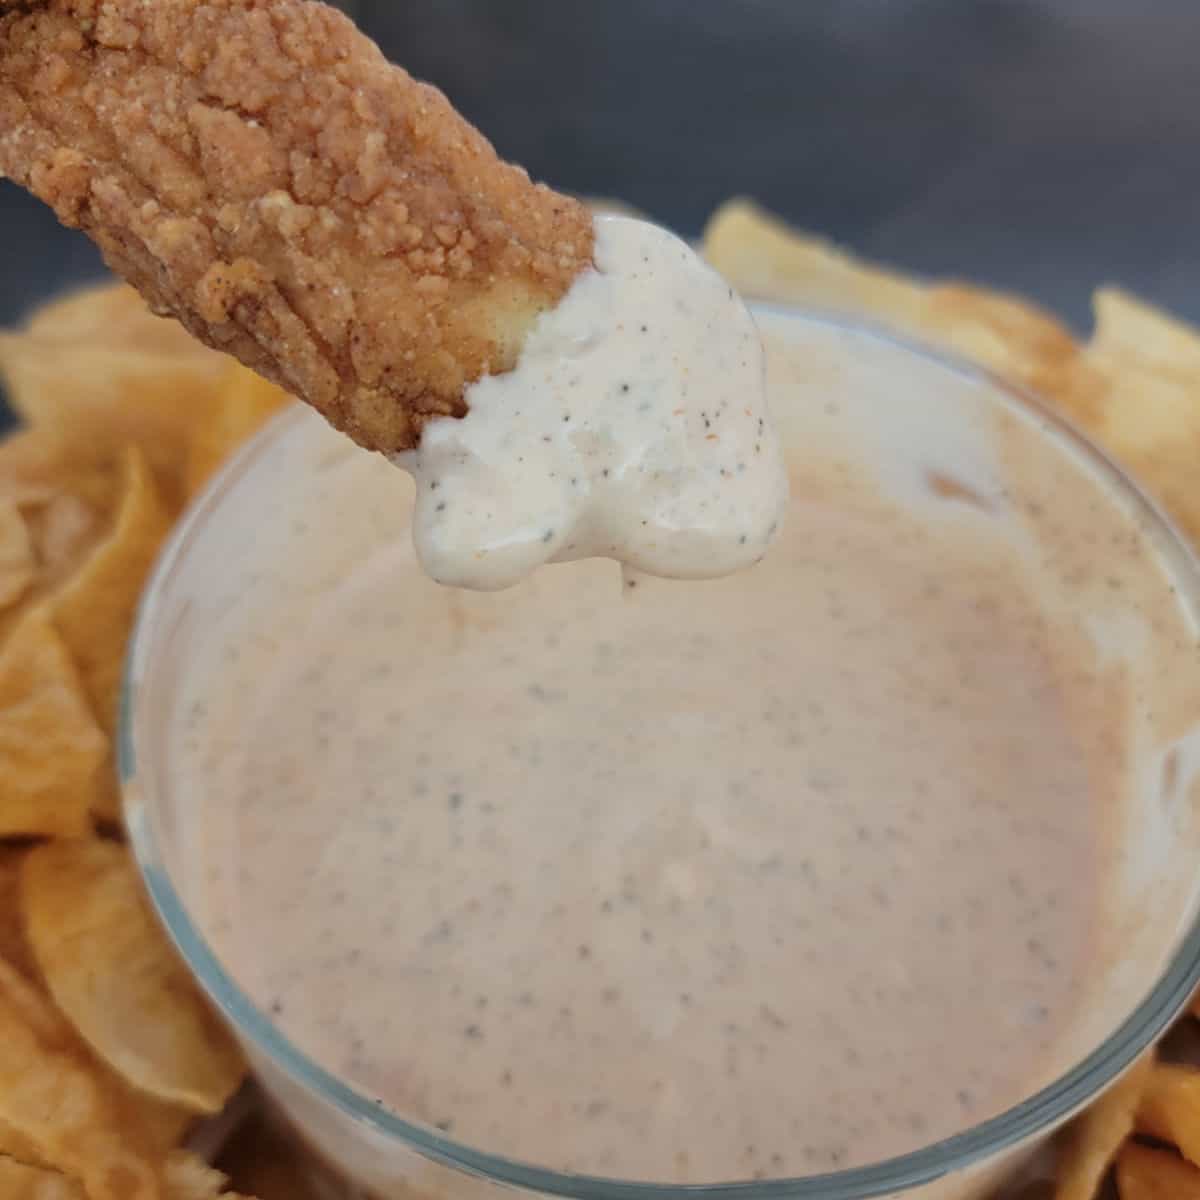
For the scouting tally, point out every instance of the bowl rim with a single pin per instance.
(974, 1147)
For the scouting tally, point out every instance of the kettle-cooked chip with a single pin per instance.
(64, 498)
(240, 409)
(14, 950)
(63, 1108)
(18, 566)
(95, 610)
(1129, 327)
(65, 531)
(1015, 339)
(18, 1181)
(1144, 371)
(52, 752)
(190, 1178)
(150, 1125)
(1146, 1174)
(100, 370)
(108, 313)
(14, 1144)
(112, 971)
(1170, 1108)
(37, 465)
(1094, 1139)
(765, 259)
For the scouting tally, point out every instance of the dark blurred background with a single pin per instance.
(1041, 145)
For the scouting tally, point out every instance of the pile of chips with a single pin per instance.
(108, 1055)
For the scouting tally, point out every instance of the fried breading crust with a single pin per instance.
(258, 170)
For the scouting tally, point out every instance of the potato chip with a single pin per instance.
(95, 610)
(242, 407)
(105, 312)
(65, 500)
(100, 369)
(1143, 371)
(161, 1127)
(153, 1124)
(157, 1126)
(1094, 1139)
(14, 1144)
(190, 1178)
(14, 950)
(21, 1182)
(1170, 1108)
(17, 563)
(53, 1099)
(1129, 327)
(36, 466)
(51, 750)
(1019, 342)
(65, 531)
(110, 968)
(1145, 1174)
(765, 259)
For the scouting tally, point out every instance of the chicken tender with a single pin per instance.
(259, 171)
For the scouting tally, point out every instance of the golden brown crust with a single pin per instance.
(258, 170)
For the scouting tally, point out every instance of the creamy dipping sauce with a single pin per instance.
(635, 426)
(757, 877)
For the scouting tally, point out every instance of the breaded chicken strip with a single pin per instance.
(259, 171)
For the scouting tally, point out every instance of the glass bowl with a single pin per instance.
(384, 1155)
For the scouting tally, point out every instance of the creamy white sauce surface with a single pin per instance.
(634, 427)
